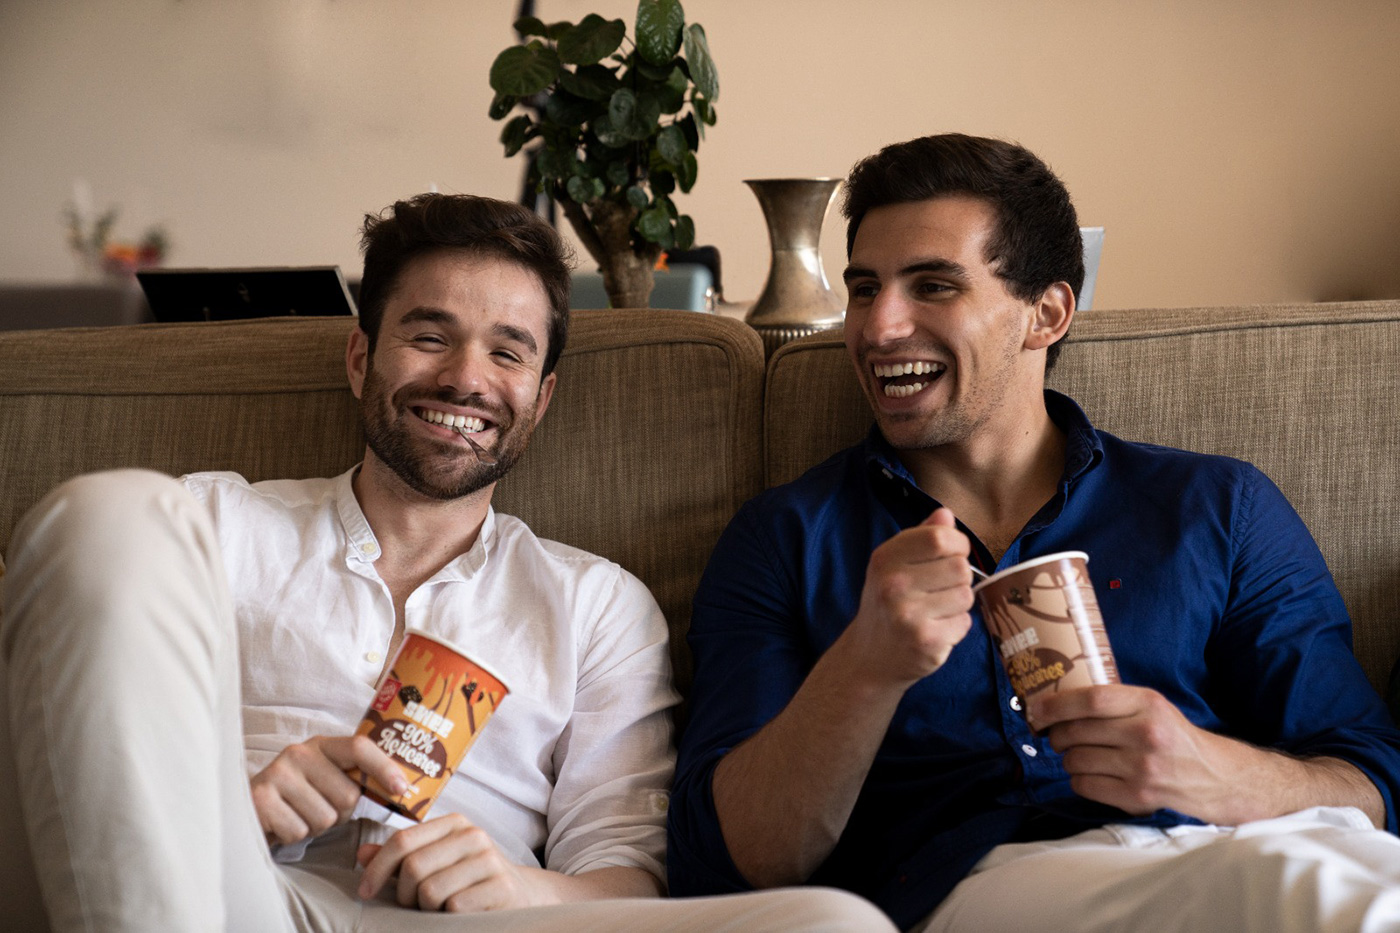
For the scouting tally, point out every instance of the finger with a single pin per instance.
(1104, 701)
(491, 892)
(359, 751)
(280, 823)
(942, 517)
(1096, 760)
(927, 542)
(433, 873)
(1113, 792)
(386, 862)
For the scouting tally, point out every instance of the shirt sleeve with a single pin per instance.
(614, 760)
(749, 662)
(1282, 659)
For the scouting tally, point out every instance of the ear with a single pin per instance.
(357, 360)
(546, 393)
(1054, 311)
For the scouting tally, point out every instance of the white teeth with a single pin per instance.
(456, 422)
(904, 391)
(890, 370)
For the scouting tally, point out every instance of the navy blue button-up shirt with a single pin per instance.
(1212, 591)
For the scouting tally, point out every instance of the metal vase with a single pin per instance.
(796, 299)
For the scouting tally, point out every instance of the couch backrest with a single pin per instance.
(651, 443)
(1308, 393)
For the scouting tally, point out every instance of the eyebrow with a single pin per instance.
(430, 315)
(936, 266)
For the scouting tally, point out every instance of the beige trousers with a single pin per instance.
(1324, 869)
(122, 737)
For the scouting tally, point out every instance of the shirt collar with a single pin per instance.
(363, 547)
(1083, 449)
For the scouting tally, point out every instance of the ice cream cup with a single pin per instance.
(428, 710)
(1044, 619)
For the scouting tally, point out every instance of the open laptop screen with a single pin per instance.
(230, 294)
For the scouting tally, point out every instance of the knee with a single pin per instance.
(97, 508)
(827, 910)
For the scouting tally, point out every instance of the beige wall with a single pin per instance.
(1238, 151)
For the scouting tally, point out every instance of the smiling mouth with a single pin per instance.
(901, 380)
(463, 424)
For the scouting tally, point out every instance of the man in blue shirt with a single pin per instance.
(851, 724)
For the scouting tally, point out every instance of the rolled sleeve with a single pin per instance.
(615, 759)
(1287, 635)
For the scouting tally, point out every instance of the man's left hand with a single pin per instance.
(448, 864)
(1131, 748)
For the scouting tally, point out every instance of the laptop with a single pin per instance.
(231, 294)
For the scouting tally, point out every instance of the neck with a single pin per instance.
(998, 479)
(417, 535)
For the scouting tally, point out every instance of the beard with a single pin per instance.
(442, 470)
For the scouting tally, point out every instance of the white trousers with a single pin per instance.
(120, 679)
(1324, 869)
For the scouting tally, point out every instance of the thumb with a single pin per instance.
(941, 516)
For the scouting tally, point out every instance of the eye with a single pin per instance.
(429, 340)
(509, 355)
(863, 290)
(932, 288)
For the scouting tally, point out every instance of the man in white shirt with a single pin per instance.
(132, 599)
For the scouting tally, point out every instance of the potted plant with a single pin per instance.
(611, 127)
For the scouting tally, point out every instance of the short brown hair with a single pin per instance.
(430, 223)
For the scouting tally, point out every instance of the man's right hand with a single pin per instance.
(305, 791)
(914, 607)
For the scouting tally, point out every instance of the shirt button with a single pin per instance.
(1029, 750)
(1016, 704)
(367, 548)
(374, 657)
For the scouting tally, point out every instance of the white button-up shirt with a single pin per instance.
(576, 764)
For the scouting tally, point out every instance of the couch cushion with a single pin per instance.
(1307, 393)
(650, 445)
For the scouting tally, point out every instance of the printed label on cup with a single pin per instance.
(430, 707)
(1044, 619)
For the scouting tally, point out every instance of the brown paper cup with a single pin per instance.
(431, 706)
(1045, 622)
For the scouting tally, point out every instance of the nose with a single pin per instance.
(886, 318)
(463, 370)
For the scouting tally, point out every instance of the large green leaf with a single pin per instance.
(582, 190)
(634, 116)
(654, 224)
(637, 196)
(592, 40)
(692, 133)
(594, 82)
(689, 169)
(671, 145)
(555, 163)
(522, 70)
(617, 173)
(513, 134)
(702, 66)
(530, 26)
(565, 109)
(608, 134)
(659, 24)
(622, 108)
(685, 232)
(501, 105)
(559, 30)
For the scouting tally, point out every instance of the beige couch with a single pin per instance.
(665, 422)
